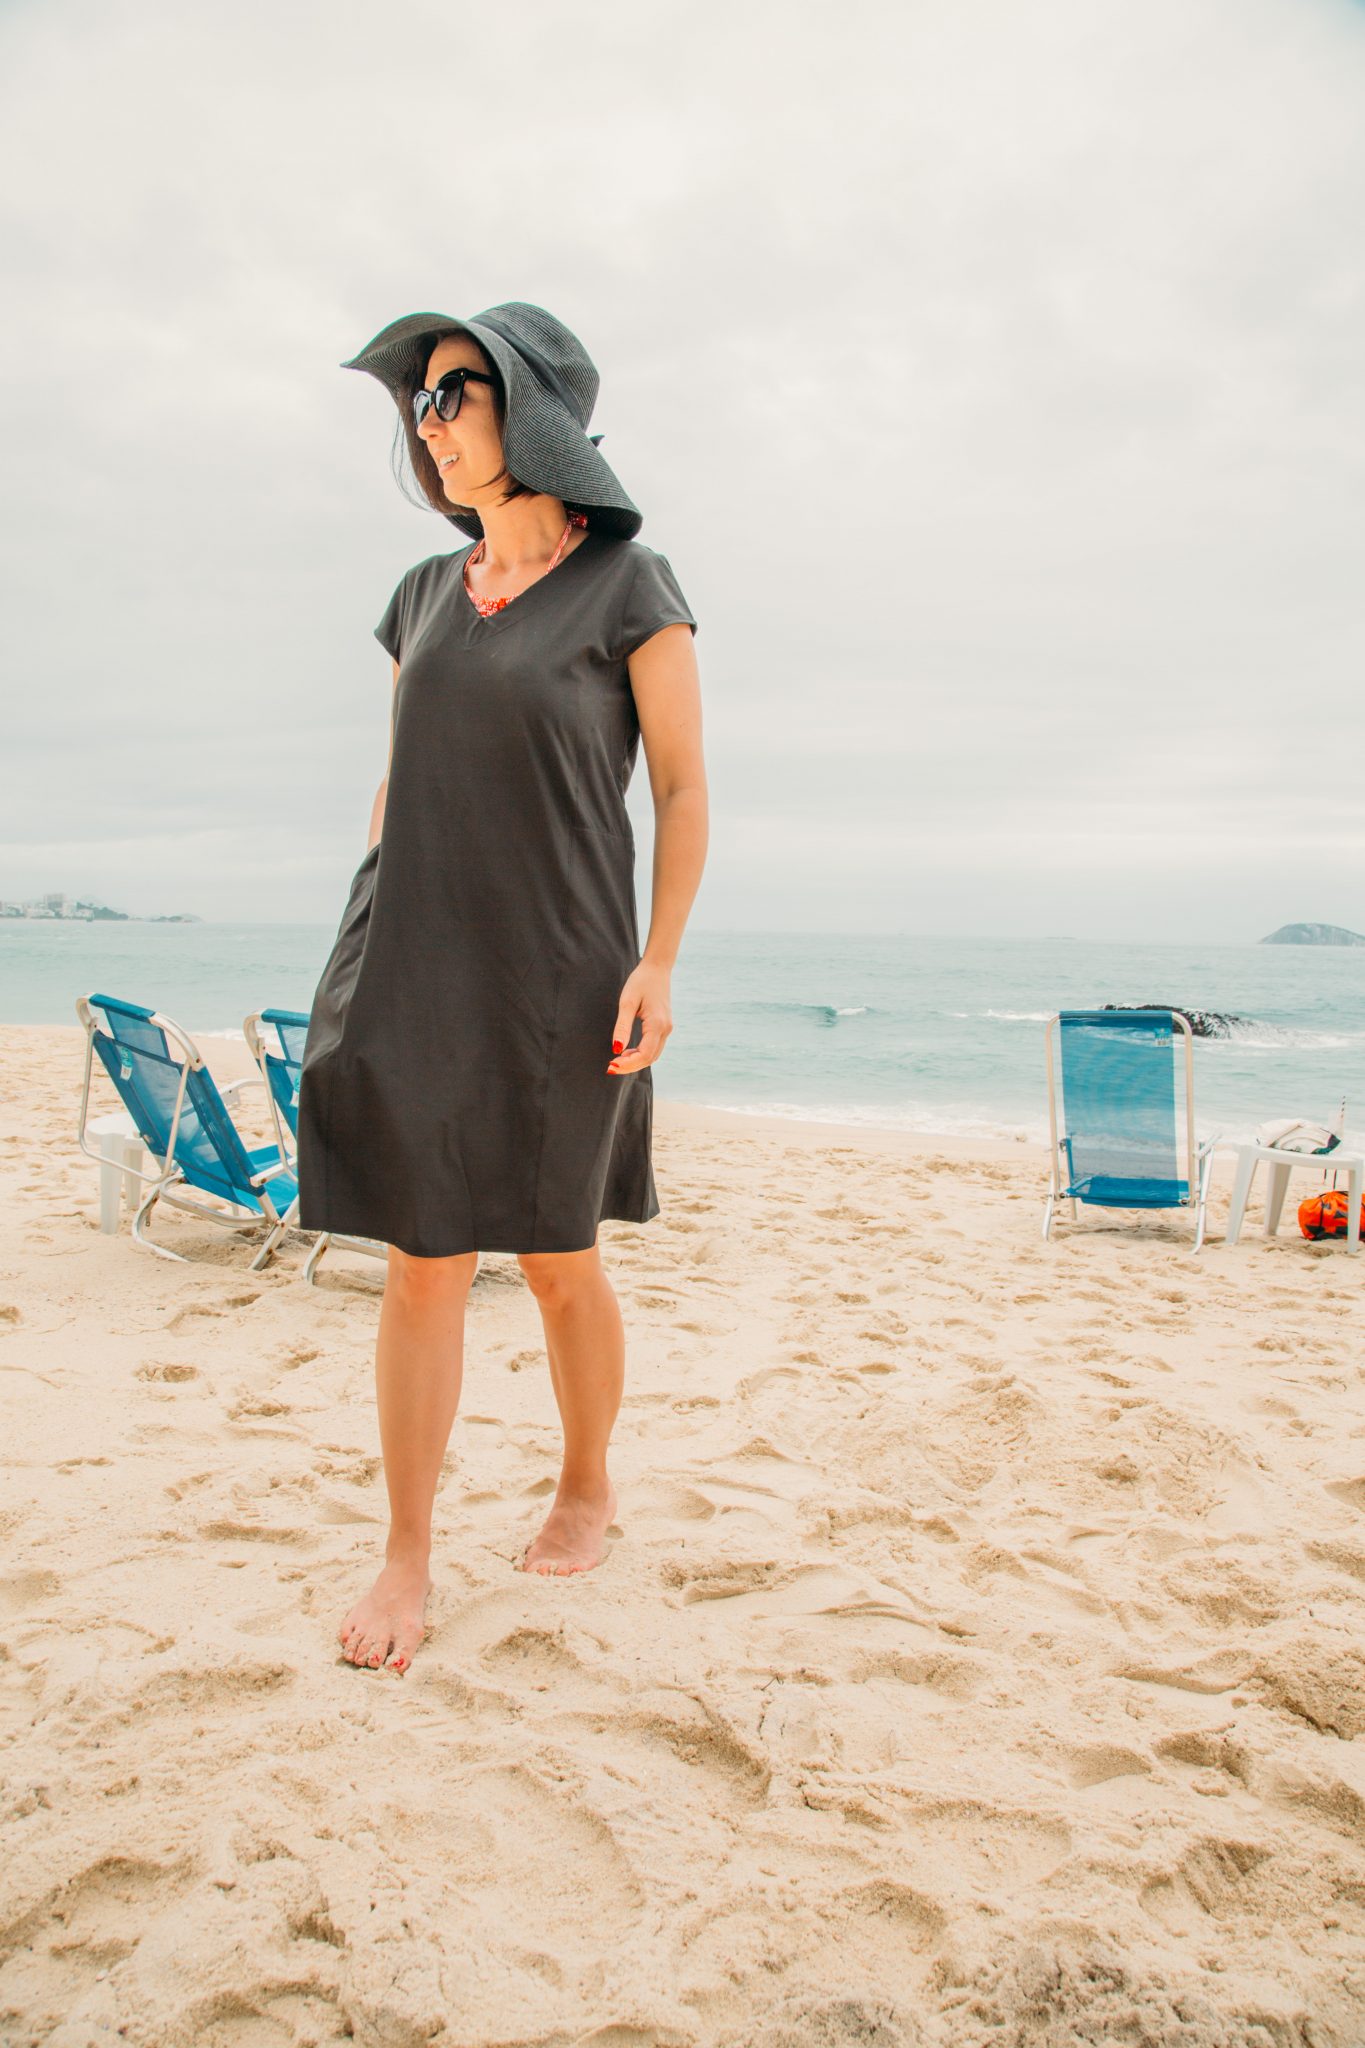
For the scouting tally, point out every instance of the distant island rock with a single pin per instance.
(1314, 935)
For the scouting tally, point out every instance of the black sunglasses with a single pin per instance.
(447, 396)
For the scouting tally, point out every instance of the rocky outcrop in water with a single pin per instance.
(1314, 935)
(1203, 1023)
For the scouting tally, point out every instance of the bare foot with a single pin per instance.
(390, 1617)
(572, 1539)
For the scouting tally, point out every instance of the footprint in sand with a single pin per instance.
(1217, 1672)
(1343, 1555)
(1318, 1682)
(340, 1514)
(89, 1922)
(979, 1845)
(531, 1659)
(1214, 1882)
(666, 1729)
(883, 1922)
(22, 1590)
(724, 1579)
(248, 1406)
(229, 1529)
(1100, 1763)
(673, 1503)
(358, 1468)
(941, 1671)
(503, 1834)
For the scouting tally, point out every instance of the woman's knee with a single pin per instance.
(431, 1279)
(556, 1278)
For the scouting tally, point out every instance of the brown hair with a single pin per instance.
(408, 441)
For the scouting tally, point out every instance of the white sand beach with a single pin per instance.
(979, 1659)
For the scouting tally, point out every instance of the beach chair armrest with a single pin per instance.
(227, 1089)
(270, 1172)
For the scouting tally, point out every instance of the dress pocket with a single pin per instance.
(339, 976)
(602, 898)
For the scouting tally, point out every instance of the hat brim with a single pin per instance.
(545, 446)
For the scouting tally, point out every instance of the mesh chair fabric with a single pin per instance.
(284, 1067)
(1119, 1097)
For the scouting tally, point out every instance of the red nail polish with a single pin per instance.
(617, 1046)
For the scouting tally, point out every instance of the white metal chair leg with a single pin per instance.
(267, 1250)
(1202, 1215)
(149, 1202)
(1047, 1218)
(279, 1229)
(1241, 1194)
(315, 1258)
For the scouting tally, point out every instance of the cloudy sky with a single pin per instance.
(993, 377)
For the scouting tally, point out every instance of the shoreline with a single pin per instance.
(228, 1058)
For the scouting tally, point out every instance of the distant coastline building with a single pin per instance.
(57, 904)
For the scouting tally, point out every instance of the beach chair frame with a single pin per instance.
(1198, 1158)
(283, 1102)
(168, 1182)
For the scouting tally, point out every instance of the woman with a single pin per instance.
(477, 1072)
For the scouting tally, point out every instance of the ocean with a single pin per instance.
(934, 1035)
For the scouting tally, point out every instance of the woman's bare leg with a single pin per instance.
(586, 1344)
(418, 1366)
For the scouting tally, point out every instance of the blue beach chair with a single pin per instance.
(280, 1065)
(280, 1070)
(183, 1119)
(1121, 1142)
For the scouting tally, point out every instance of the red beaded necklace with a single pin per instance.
(486, 606)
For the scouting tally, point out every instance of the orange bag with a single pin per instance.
(1326, 1215)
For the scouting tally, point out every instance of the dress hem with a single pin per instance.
(463, 1251)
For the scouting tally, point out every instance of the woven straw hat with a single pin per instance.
(550, 382)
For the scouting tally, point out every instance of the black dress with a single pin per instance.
(454, 1094)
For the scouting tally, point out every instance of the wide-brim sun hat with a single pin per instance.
(550, 385)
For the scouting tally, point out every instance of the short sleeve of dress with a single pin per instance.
(389, 631)
(652, 602)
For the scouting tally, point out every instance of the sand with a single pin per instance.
(979, 1659)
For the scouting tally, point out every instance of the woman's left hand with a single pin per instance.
(646, 996)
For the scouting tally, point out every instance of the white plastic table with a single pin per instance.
(121, 1156)
(1281, 1165)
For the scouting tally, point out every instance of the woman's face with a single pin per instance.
(467, 450)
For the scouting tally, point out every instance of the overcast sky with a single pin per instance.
(993, 377)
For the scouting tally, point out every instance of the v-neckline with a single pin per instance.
(491, 620)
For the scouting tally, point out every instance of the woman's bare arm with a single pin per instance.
(381, 794)
(667, 692)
